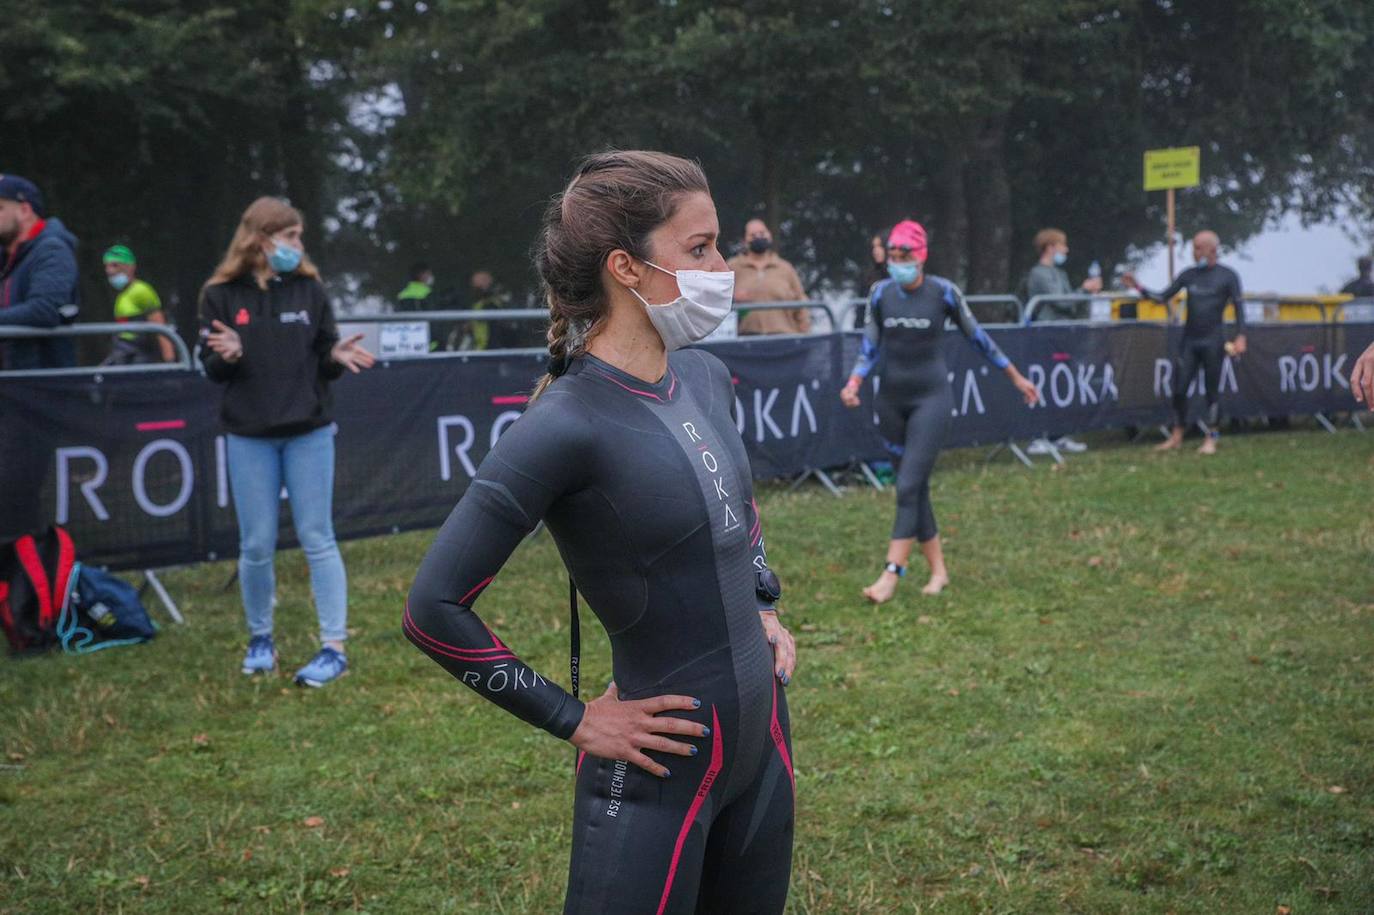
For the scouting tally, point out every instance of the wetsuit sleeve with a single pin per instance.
(326, 337)
(872, 338)
(537, 460)
(958, 311)
(211, 310)
(52, 277)
(1174, 289)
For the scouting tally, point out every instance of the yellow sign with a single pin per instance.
(1171, 168)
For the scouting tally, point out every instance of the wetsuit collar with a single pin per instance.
(663, 390)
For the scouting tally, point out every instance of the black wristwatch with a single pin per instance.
(767, 586)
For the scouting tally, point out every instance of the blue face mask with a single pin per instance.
(904, 274)
(119, 280)
(1059, 258)
(284, 259)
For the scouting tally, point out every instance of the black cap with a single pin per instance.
(13, 187)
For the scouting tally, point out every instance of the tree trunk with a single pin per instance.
(989, 207)
(772, 206)
(949, 225)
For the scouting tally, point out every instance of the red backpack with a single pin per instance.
(34, 575)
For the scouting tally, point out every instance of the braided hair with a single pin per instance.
(614, 201)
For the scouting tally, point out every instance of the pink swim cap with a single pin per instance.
(908, 234)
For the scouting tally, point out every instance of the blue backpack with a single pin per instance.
(101, 611)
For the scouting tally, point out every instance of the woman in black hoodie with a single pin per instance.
(270, 338)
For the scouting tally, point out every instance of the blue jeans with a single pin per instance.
(258, 467)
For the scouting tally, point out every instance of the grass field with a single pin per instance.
(1149, 690)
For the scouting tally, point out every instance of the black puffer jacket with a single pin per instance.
(280, 386)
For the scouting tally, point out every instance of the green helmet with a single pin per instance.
(119, 254)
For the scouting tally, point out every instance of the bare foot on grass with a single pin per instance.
(936, 584)
(1172, 443)
(1209, 446)
(881, 591)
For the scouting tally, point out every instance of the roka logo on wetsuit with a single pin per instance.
(712, 466)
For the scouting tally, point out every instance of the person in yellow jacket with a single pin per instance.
(135, 300)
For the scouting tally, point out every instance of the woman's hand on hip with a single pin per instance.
(612, 729)
(784, 646)
(1362, 378)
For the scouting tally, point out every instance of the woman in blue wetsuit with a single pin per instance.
(902, 343)
(629, 453)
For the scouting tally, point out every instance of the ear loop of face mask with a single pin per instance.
(660, 270)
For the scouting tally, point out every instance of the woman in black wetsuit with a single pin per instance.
(903, 340)
(630, 455)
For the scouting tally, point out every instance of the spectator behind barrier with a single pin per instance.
(412, 297)
(1049, 278)
(38, 282)
(762, 276)
(135, 300)
(1362, 287)
(875, 273)
(416, 295)
(271, 340)
(485, 294)
(877, 263)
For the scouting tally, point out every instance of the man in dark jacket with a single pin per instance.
(38, 285)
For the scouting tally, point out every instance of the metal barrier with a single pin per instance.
(374, 341)
(1005, 302)
(466, 314)
(1353, 309)
(790, 306)
(1018, 310)
(183, 361)
(1273, 308)
(1112, 298)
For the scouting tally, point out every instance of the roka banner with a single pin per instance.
(135, 464)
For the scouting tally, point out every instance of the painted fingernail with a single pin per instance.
(705, 732)
(695, 751)
(696, 703)
(782, 675)
(772, 640)
(666, 773)
(786, 679)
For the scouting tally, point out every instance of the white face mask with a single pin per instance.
(705, 301)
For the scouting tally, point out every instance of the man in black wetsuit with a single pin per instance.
(1203, 347)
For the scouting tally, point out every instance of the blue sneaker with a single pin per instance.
(326, 666)
(261, 657)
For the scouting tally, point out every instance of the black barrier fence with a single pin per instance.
(134, 464)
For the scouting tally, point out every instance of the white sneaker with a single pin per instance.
(1038, 446)
(1070, 445)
